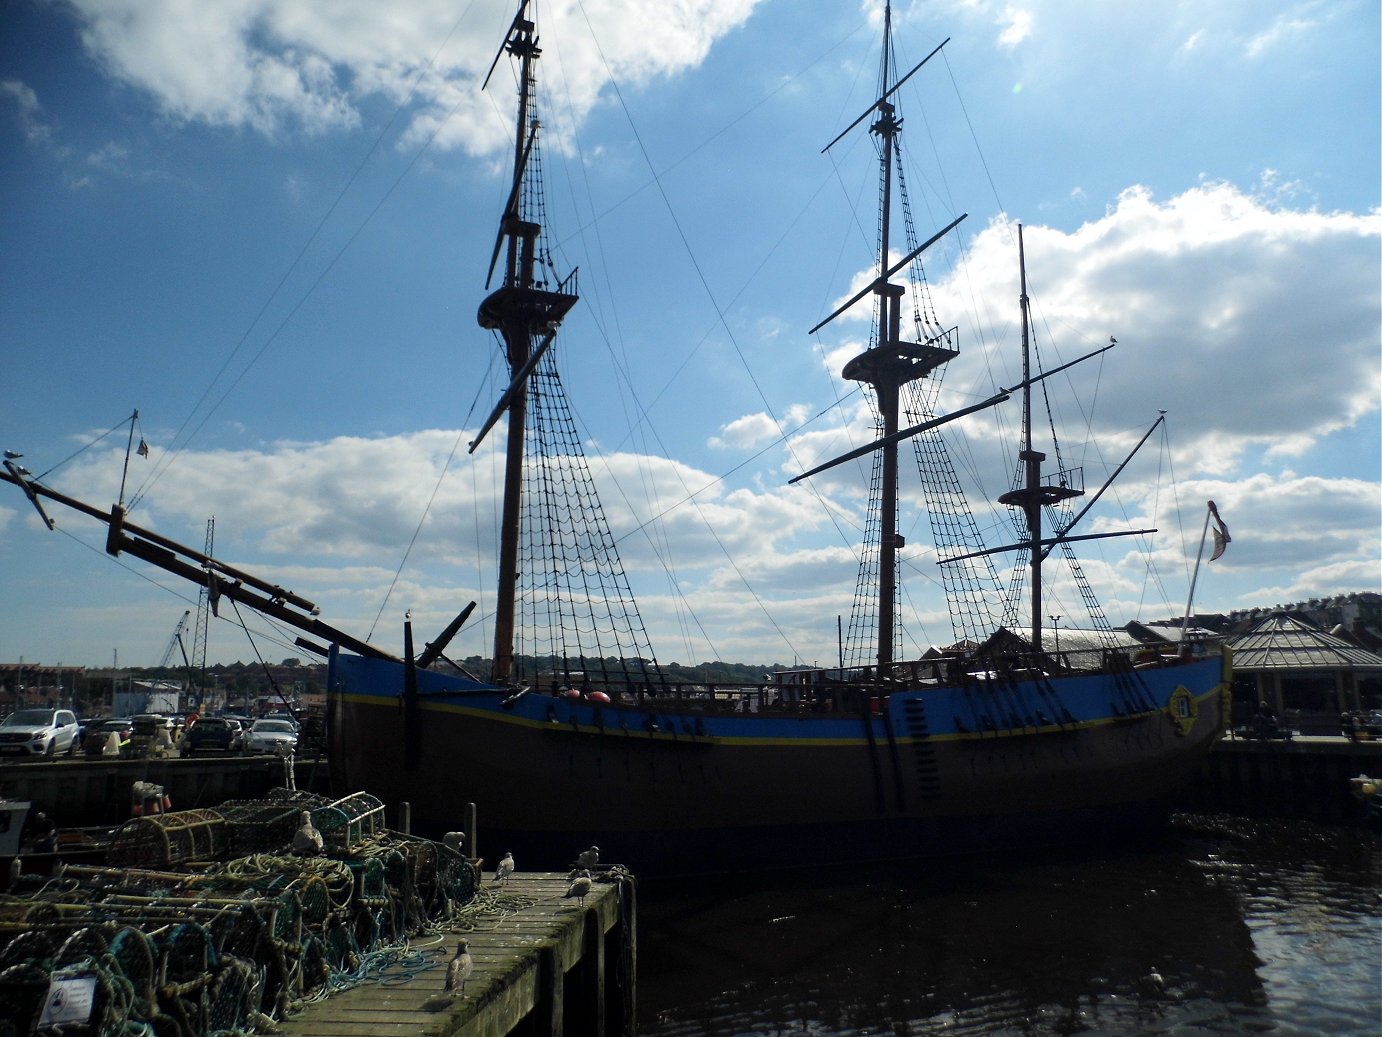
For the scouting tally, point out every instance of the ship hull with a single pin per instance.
(679, 785)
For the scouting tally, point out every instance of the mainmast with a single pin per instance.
(522, 310)
(892, 362)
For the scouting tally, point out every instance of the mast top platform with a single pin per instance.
(898, 362)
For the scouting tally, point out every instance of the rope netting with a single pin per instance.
(179, 936)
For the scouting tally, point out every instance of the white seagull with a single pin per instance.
(458, 970)
(504, 870)
(307, 841)
(579, 888)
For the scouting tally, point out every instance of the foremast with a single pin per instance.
(526, 315)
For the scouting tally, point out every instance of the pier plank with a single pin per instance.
(521, 960)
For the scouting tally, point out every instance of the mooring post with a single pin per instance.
(471, 846)
(592, 992)
(551, 993)
(405, 818)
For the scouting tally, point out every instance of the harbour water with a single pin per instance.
(1253, 926)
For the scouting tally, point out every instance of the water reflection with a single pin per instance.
(1238, 918)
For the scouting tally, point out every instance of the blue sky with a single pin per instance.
(265, 224)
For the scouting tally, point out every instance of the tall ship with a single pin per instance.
(1002, 738)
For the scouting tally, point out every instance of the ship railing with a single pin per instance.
(768, 697)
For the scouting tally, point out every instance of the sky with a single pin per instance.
(265, 225)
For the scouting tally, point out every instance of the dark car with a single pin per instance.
(85, 724)
(1364, 725)
(220, 733)
(98, 737)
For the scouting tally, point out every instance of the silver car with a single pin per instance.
(271, 736)
(39, 732)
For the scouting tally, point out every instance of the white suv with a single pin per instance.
(38, 732)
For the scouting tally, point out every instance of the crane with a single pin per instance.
(175, 641)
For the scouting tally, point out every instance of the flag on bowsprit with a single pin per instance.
(1221, 537)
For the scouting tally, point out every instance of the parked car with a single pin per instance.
(39, 732)
(271, 736)
(98, 737)
(288, 717)
(212, 733)
(1364, 725)
(155, 721)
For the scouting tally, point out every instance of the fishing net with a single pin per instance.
(183, 936)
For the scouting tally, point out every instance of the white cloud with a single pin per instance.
(1280, 33)
(1017, 26)
(1254, 326)
(276, 65)
(24, 102)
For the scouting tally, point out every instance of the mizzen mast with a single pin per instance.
(1031, 496)
(526, 313)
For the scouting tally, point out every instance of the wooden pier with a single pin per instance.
(1304, 777)
(543, 964)
(93, 791)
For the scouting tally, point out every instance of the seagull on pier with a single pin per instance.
(307, 841)
(589, 858)
(579, 888)
(458, 970)
(504, 869)
(1151, 986)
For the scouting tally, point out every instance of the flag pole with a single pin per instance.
(130, 446)
(1185, 622)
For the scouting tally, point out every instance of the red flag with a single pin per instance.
(1221, 537)
(143, 449)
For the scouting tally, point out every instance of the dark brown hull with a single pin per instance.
(562, 775)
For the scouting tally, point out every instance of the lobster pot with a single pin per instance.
(165, 840)
(295, 798)
(19, 916)
(262, 825)
(347, 823)
(371, 890)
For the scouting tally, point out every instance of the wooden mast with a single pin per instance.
(1032, 496)
(520, 310)
(892, 363)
